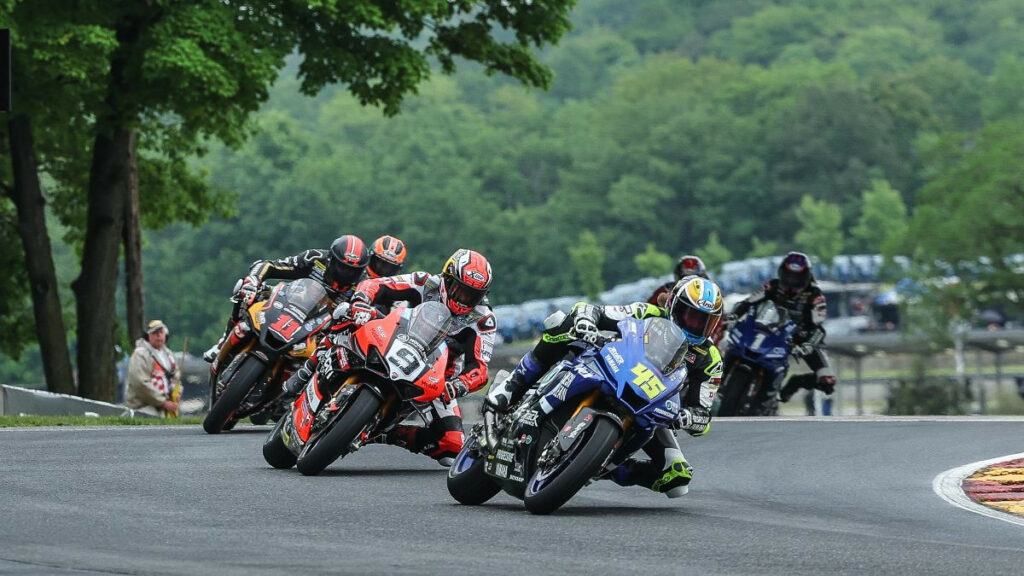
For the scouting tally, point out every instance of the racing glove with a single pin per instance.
(454, 388)
(802, 350)
(826, 384)
(586, 330)
(247, 291)
(694, 421)
(361, 312)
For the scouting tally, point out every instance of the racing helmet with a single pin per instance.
(696, 306)
(690, 265)
(387, 257)
(346, 263)
(794, 273)
(465, 280)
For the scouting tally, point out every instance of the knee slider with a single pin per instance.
(554, 320)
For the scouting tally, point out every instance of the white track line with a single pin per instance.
(948, 486)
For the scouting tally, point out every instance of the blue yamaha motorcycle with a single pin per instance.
(585, 416)
(757, 356)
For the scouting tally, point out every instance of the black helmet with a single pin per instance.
(795, 273)
(348, 259)
(690, 265)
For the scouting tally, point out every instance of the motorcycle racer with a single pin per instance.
(796, 291)
(688, 265)
(462, 286)
(338, 268)
(695, 305)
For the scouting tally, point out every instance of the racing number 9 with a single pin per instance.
(647, 381)
(411, 362)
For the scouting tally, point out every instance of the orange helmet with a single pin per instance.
(465, 280)
(387, 257)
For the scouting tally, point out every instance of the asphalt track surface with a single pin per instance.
(769, 497)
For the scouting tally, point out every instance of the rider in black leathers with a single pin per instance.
(338, 268)
(796, 291)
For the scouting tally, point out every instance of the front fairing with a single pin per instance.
(766, 346)
(621, 369)
(288, 321)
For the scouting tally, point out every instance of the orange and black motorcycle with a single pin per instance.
(280, 332)
(383, 372)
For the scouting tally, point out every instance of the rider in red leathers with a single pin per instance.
(688, 265)
(462, 287)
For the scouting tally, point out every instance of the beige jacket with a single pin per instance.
(152, 376)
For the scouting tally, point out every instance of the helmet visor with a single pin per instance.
(341, 274)
(792, 281)
(382, 267)
(694, 321)
(690, 267)
(461, 294)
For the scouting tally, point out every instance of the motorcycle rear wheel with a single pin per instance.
(583, 463)
(274, 450)
(467, 481)
(223, 410)
(334, 443)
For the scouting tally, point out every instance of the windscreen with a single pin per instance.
(304, 297)
(429, 324)
(664, 344)
(768, 314)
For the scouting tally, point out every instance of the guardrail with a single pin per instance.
(15, 400)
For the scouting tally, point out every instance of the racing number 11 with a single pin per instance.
(285, 326)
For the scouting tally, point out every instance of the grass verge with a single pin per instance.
(30, 421)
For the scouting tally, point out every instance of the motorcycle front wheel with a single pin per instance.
(467, 481)
(274, 450)
(333, 443)
(734, 391)
(223, 410)
(553, 485)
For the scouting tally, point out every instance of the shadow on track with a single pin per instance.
(369, 472)
(581, 510)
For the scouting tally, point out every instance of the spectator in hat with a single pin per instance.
(154, 381)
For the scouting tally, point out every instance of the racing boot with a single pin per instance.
(210, 355)
(672, 480)
(419, 440)
(667, 472)
(506, 393)
(296, 382)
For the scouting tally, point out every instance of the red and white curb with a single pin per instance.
(994, 488)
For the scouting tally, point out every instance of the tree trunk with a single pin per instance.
(95, 287)
(28, 198)
(135, 305)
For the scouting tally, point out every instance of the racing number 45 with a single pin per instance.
(647, 381)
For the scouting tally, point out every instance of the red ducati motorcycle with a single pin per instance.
(387, 370)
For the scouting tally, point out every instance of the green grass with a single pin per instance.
(31, 421)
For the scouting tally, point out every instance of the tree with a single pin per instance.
(588, 257)
(821, 232)
(715, 254)
(179, 74)
(883, 217)
(967, 219)
(651, 262)
(762, 249)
